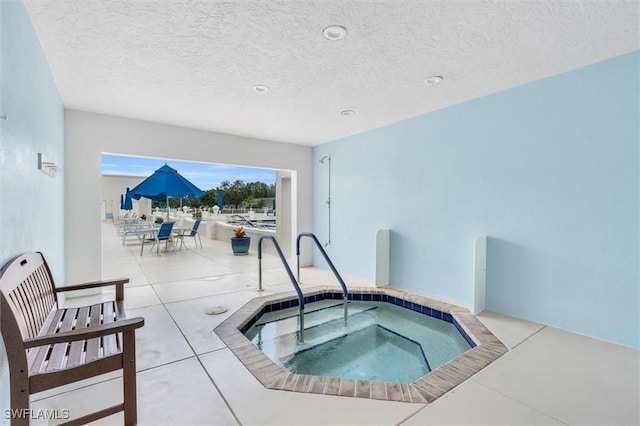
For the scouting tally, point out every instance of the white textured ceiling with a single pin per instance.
(194, 63)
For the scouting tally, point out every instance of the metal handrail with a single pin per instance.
(345, 293)
(296, 286)
(243, 219)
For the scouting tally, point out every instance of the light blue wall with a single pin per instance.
(548, 170)
(31, 217)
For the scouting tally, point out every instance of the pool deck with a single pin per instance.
(189, 376)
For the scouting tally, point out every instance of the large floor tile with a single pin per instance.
(201, 287)
(255, 405)
(185, 272)
(136, 279)
(76, 385)
(245, 263)
(134, 297)
(160, 341)
(139, 297)
(79, 402)
(180, 394)
(512, 331)
(197, 326)
(473, 404)
(576, 379)
(271, 276)
(278, 288)
(171, 260)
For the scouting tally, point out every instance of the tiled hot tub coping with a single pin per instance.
(424, 390)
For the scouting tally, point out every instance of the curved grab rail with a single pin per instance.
(296, 286)
(326, 257)
(345, 293)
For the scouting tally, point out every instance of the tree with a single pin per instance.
(234, 193)
(238, 193)
(210, 198)
(248, 202)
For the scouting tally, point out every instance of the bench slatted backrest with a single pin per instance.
(27, 290)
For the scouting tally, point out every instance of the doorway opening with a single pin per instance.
(259, 195)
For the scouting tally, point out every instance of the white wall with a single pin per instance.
(115, 185)
(284, 213)
(89, 135)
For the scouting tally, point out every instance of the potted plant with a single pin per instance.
(240, 243)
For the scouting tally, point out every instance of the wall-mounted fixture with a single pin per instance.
(47, 166)
(321, 161)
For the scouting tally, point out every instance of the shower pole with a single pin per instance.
(329, 204)
(326, 157)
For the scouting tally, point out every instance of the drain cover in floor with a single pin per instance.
(216, 310)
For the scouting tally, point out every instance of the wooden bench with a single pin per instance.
(49, 347)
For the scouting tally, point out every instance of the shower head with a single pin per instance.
(324, 158)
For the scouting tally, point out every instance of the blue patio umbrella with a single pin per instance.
(127, 204)
(121, 202)
(220, 203)
(164, 183)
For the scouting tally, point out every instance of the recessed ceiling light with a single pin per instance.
(347, 112)
(334, 32)
(260, 88)
(433, 80)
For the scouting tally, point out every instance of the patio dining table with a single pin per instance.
(150, 233)
(179, 231)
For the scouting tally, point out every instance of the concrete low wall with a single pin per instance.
(215, 228)
(224, 231)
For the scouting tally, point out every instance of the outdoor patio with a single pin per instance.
(187, 376)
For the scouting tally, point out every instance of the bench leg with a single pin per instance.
(20, 401)
(129, 378)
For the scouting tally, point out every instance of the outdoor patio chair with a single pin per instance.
(193, 234)
(165, 233)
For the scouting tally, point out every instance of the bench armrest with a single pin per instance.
(119, 283)
(85, 333)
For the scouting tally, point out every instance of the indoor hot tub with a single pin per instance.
(392, 345)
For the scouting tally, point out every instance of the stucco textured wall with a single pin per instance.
(548, 170)
(32, 213)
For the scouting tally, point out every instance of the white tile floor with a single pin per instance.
(186, 376)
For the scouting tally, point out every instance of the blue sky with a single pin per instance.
(204, 175)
